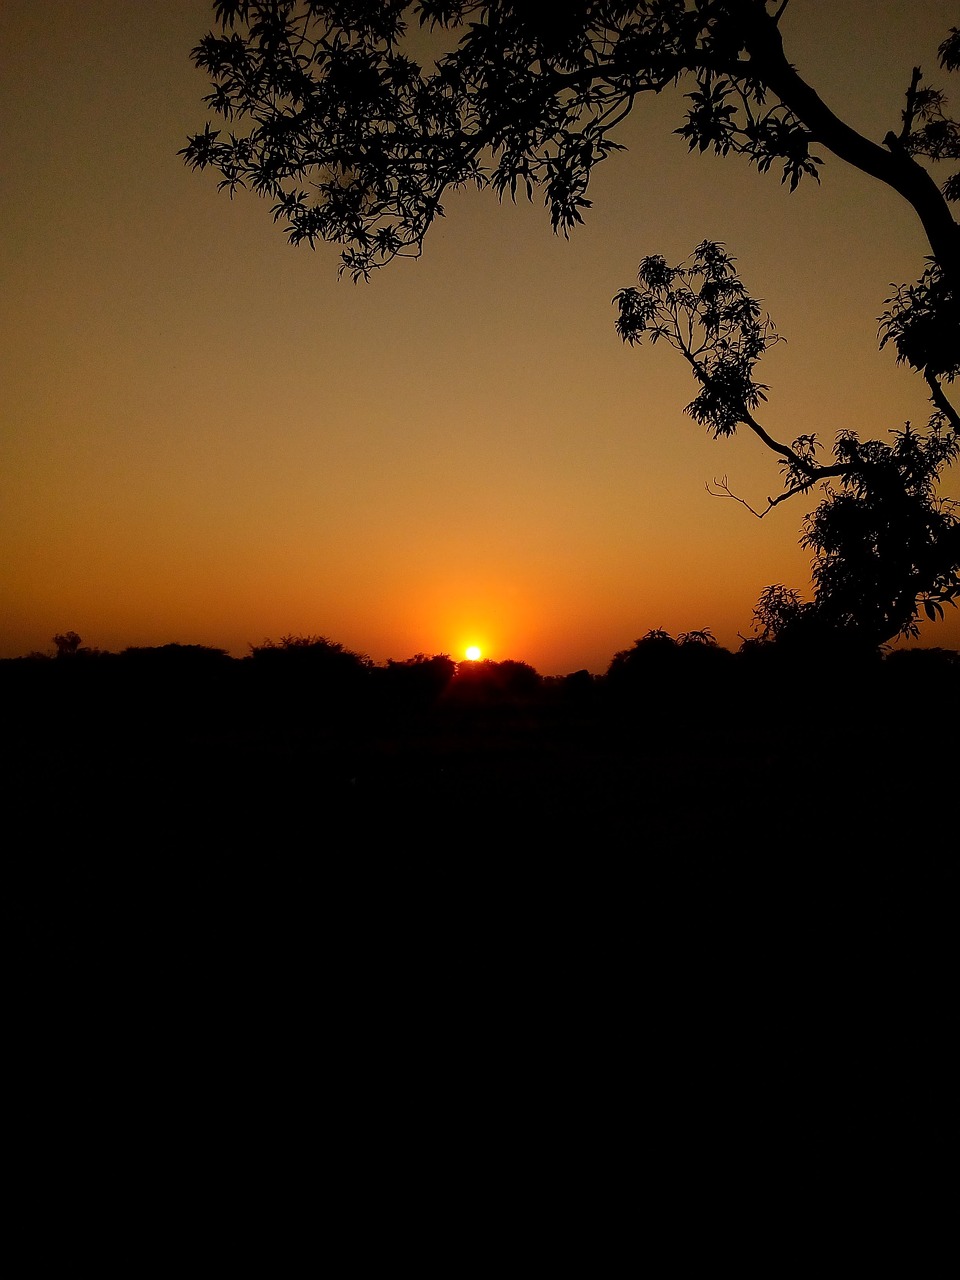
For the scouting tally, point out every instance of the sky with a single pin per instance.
(206, 437)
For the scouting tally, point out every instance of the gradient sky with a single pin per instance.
(208, 438)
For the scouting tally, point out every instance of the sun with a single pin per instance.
(473, 653)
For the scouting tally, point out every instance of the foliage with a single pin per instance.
(354, 120)
(323, 664)
(70, 645)
(882, 539)
(506, 678)
(355, 140)
(654, 649)
(922, 321)
(660, 666)
(67, 644)
(778, 612)
(702, 639)
(315, 650)
(420, 678)
(176, 655)
(885, 546)
(703, 311)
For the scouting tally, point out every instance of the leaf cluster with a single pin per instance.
(922, 321)
(731, 114)
(927, 130)
(702, 309)
(778, 613)
(885, 545)
(354, 122)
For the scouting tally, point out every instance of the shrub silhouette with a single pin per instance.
(655, 653)
(418, 681)
(491, 681)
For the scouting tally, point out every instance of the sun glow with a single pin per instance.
(472, 652)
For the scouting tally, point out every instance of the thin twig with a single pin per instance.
(725, 492)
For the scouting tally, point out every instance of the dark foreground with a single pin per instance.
(765, 761)
(781, 784)
(708, 927)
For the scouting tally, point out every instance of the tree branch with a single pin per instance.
(890, 164)
(791, 455)
(938, 396)
(726, 492)
(910, 110)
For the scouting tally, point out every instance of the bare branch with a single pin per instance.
(722, 490)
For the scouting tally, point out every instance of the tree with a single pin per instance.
(882, 540)
(488, 680)
(652, 655)
(356, 143)
(310, 655)
(67, 644)
(417, 681)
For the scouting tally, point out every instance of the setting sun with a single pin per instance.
(473, 653)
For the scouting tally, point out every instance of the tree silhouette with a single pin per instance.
(355, 143)
(653, 654)
(885, 544)
(417, 681)
(489, 680)
(67, 644)
(778, 612)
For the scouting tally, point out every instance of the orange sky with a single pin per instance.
(207, 438)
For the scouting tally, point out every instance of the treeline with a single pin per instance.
(186, 747)
(658, 667)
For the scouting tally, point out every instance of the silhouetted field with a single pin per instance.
(729, 888)
(188, 750)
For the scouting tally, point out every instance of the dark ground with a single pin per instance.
(233, 760)
(707, 928)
